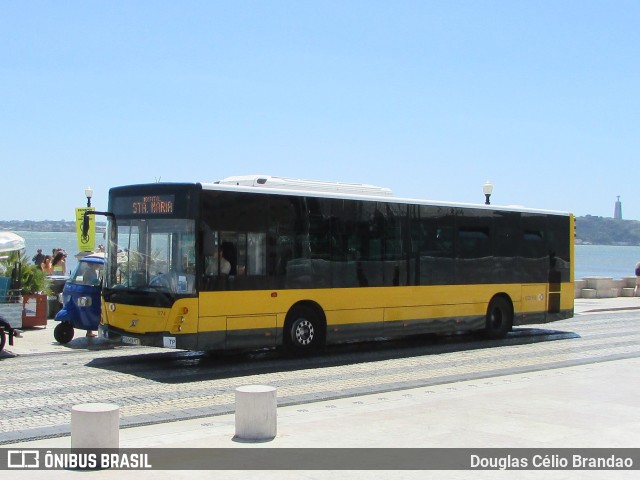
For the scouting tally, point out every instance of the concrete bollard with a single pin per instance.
(628, 292)
(618, 285)
(602, 285)
(95, 425)
(605, 287)
(256, 412)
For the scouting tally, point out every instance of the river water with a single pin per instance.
(606, 260)
(591, 260)
(47, 241)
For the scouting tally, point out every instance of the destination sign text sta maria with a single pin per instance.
(152, 205)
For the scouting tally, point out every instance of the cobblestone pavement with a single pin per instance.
(155, 385)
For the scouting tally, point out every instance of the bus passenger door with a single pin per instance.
(555, 288)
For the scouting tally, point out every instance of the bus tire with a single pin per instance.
(304, 329)
(499, 318)
(63, 333)
(3, 338)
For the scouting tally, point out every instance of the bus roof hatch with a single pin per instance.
(268, 181)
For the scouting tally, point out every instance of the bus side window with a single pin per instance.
(256, 262)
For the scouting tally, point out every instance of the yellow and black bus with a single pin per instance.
(253, 262)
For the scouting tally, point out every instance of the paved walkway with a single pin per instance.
(588, 406)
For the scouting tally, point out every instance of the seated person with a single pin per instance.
(91, 276)
(219, 264)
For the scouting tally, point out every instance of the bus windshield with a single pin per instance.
(154, 255)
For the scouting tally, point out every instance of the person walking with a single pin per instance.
(635, 291)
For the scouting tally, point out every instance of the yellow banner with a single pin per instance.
(86, 243)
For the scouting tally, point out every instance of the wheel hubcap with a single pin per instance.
(304, 332)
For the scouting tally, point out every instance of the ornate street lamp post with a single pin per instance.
(487, 189)
(88, 192)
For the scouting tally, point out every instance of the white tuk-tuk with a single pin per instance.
(10, 293)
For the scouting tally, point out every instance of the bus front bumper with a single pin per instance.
(159, 339)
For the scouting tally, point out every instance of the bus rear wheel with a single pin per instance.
(499, 318)
(304, 331)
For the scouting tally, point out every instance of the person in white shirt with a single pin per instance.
(219, 264)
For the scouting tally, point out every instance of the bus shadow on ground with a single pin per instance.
(175, 367)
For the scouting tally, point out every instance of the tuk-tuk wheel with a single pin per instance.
(63, 333)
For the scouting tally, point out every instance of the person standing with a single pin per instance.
(38, 259)
(46, 266)
(59, 263)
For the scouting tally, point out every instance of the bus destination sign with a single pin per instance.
(152, 205)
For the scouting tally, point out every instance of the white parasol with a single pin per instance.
(10, 242)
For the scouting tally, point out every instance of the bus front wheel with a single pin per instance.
(499, 318)
(305, 330)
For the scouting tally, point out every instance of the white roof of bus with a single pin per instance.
(282, 186)
(268, 181)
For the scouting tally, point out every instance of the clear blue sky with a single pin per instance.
(429, 98)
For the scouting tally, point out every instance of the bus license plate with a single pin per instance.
(169, 342)
(129, 340)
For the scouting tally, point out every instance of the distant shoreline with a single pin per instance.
(42, 226)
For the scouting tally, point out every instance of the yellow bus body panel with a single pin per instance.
(182, 318)
(357, 305)
(267, 309)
